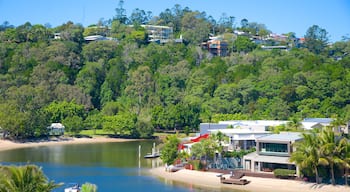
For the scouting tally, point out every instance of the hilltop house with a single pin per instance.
(98, 38)
(216, 46)
(272, 152)
(156, 33)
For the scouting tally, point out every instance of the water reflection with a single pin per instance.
(123, 154)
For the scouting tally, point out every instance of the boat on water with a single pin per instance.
(153, 154)
(73, 188)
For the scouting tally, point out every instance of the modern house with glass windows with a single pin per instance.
(272, 152)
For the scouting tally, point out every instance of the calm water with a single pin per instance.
(111, 166)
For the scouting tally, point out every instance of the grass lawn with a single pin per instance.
(180, 135)
(95, 132)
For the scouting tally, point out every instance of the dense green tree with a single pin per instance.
(90, 79)
(121, 124)
(141, 86)
(119, 30)
(170, 149)
(243, 44)
(96, 29)
(57, 111)
(94, 120)
(116, 75)
(169, 86)
(99, 50)
(64, 92)
(144, 128)
(139, 36)
(316, 39)
(14, 122)
(73, 124)
(195, 28)
(71, 32)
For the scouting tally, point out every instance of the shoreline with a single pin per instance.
(190, 177)
(257, 184)
(10, 145)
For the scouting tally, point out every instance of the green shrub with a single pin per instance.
(88, 187)
(283, 173)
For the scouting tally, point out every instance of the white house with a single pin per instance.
(56, 129)
(241, 138)
(272, 152)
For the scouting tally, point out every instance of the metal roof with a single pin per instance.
(318, 120)
(238, 131)
(285, 136)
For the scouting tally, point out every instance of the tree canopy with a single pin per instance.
(173, 86)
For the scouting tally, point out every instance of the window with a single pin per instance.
(273, 148)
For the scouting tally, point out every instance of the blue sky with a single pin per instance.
(280, 16)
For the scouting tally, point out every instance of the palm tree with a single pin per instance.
(205, 148)
(219, 137)
(331, 149)
(345, 157)
(29, 178)
(294, 124)
(307, 153)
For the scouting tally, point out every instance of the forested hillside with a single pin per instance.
(133, 87)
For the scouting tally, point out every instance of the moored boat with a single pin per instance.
(73, 188)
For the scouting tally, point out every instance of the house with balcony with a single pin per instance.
(216, 46)
(272, 152)
(157, 33)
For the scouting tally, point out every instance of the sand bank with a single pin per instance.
(8, 145)
(211, 180)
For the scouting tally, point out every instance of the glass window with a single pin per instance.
(273, 147)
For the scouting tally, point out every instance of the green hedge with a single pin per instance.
(283, 173)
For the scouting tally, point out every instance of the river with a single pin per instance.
(111, 166)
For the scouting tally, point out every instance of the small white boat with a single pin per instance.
(73, 188)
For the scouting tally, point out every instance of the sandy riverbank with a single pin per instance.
(8, 145)
(211, 180)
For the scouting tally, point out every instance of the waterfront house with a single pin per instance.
(241, 138)
(242, 133)
(272, 152)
